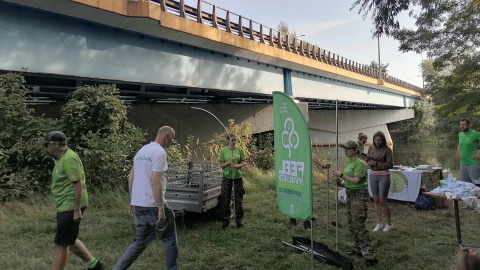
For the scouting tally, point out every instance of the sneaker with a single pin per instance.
(388, 228)
(98, 266)
(240, 225)
(371, 262)
(377, 227)
(225, 224)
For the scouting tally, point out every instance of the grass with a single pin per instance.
(27, 231)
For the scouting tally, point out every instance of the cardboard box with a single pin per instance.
(442, 203)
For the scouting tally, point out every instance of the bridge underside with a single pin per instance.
(61, 53)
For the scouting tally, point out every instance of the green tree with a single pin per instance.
(95, 122)
(285, 30)
(24, 166)
(445, 29)
(384, 67)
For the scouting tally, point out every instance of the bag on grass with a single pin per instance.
(423, 203)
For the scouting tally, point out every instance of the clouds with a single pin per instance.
(311, 29)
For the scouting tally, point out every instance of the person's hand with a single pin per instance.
(131, 211)
(371, 162)
(161, 215)
(326, 166)
(477, 155)
(338, 182)
(77, 215)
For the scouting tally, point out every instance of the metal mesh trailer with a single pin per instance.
(195, 188)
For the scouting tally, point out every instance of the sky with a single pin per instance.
(331, 25)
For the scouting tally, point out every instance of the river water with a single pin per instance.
(409, 154)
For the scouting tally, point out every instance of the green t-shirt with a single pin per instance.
(356, 168)
(468, 143)
(68, 169)
(238, 155)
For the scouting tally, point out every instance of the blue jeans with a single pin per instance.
(146, 227)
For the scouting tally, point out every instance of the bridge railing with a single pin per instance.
(225, 20)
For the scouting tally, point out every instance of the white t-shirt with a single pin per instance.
(150, 158)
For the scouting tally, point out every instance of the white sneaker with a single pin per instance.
(377, 227)
(388, 228)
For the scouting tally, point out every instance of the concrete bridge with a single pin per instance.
(166, 55)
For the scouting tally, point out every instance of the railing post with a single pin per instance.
(262, 39)
(227, 26)
(302, 53)
(214, 17)
(163, 7)
(182, 8)
(199, 12)
(251, 31)
(279, 40)
(287, 43)
(240, 27)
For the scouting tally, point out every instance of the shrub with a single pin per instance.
(95, 121)
(24, 166)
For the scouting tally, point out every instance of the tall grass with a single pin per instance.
(27, 231)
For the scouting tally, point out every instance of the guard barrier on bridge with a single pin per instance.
(211, 15)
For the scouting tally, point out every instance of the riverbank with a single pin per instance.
(28, 229)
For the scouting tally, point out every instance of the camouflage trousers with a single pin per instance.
(357, 208)
(226, 197)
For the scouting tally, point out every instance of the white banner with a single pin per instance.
(404, 185)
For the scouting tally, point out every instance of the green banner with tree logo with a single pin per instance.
(293, 158)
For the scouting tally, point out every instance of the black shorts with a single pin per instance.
(67, 228)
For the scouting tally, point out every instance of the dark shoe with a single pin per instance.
(240, 225)
(354, 252)
(225, 224)
(98, 266)
(371, 262)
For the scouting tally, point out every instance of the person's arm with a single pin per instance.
(388, 163)
(242, 160)
(344, 177)
(73, 170)
(130, 185)
(77, 197)
(457, 150)
(223, 163)
(320, 163)
(157, 189)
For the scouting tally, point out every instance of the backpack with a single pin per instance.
(423, 203)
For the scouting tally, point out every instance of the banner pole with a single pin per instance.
(336, 187)
(311, 243)
(328, 199)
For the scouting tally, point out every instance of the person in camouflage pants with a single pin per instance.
(354, 179)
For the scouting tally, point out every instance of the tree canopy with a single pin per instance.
(445, 29)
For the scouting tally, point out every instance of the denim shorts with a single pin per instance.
(67, 228)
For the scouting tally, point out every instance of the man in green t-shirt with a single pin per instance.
(71, 199)
(232, 160)
(468, 149)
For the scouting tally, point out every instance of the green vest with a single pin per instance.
(238, 155)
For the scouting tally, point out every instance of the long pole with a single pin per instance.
(336, 187)
(380, 77)
(230, 137)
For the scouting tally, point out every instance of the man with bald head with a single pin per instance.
(147, 183)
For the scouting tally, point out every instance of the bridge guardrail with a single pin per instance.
(230, 22)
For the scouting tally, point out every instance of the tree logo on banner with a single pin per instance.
(290, 137)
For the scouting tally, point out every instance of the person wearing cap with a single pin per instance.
(380, 160)
(71, 199)
(147, 183)
(354, 179)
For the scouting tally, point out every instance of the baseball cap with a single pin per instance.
(53, 136)
(350, 145)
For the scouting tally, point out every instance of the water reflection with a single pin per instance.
(407, 154)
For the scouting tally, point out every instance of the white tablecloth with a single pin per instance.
(404, 185)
